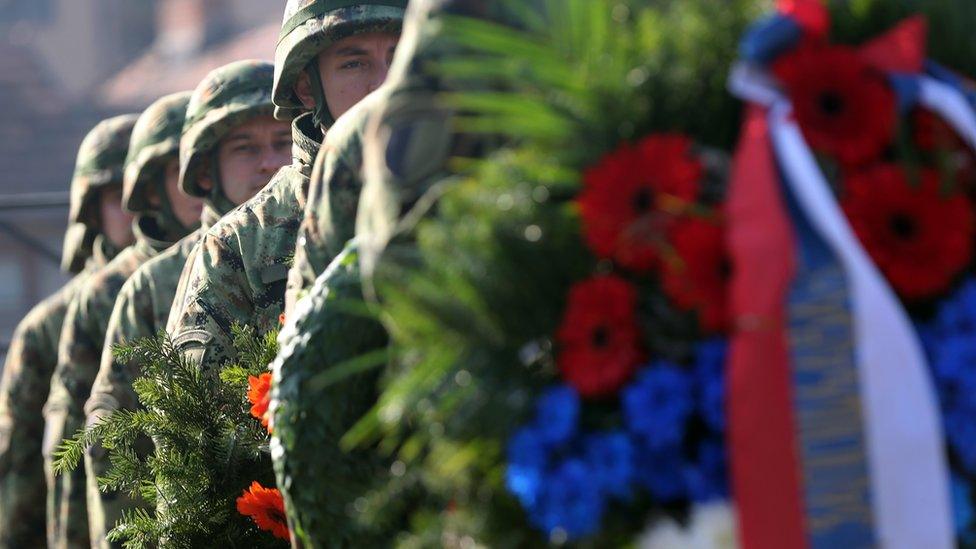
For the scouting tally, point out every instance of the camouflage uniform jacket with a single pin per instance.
(26, 382)
(79, 354)
(333, 198)
(237, 272)
(140, 311)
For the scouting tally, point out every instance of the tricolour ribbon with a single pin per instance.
(764, 462)
(878, 371)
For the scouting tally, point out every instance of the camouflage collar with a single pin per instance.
(209, 217)
(147, 236)
(306, 141)
(102, 251)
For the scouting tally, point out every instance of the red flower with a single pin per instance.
(920, 237)
(260, 396)
(930, 132)
(281, 319)
(812, 15)
(633, 194)
(266, 508)
(599, 340)
(697, 277)
(844, 107)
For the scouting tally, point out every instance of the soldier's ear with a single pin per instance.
(303, 89)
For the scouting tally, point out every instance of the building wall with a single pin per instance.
(27, 274)
(55, 56)
(85, 41)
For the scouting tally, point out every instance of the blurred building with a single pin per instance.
(192, 38)
(65, 65)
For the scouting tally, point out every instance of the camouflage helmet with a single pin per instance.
(100, 164)
(155, 139)
(227, 97)
(311, 26)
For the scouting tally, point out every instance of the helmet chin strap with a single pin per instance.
(166, 221)
(217, 199)
(320, 114)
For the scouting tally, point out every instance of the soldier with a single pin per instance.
(162, 216)
(333, 199)
(407, 131)
(97, 227)
(230, 149)
(327, 59)
(410, 140)
(419, 146)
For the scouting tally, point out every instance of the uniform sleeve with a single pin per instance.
(23, 389)
(77, 352)
(215, 296)
(330, 214)
(180, 296)
(308, 421)
(131, 320)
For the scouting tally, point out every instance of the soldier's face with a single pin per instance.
(116, 222)
(355, 66)
(250, 155)
(186, 209)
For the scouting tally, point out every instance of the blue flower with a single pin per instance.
(953, 361)
(569, 500)
(657, 405)
(662, 472)
(961, 433)
(708, 477)
(557, 415)
(710, 376)
(957, 314)
(962, 505)
(610, 456)
(527, 462)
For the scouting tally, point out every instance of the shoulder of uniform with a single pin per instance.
(111, 271)
(103, 284)
(170, 260)
(277, 201)
(49, 310)
(246, 214)
(138, 279)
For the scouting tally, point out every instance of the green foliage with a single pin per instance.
(206, 447)
(474, 288)
(473, 291)
(589, 75)
(951, 22)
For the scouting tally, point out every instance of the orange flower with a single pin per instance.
(266, 508)
(281, 319)
(260, 397)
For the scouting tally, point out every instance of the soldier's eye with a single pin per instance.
(245, 149)
(352, 65)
